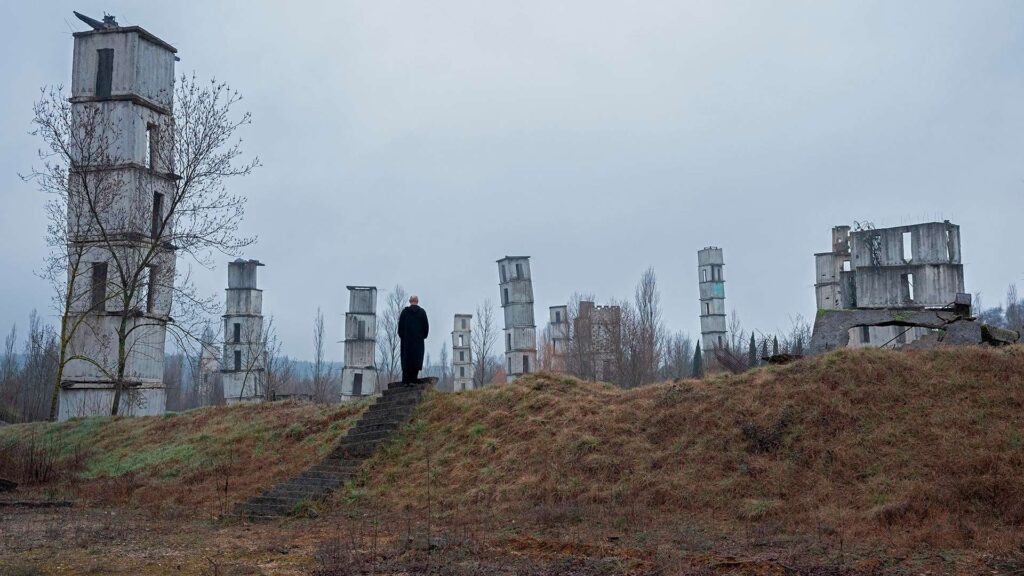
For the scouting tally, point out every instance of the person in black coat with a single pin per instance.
(412, 330)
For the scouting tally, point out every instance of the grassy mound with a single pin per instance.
(199, 461)
(898, 448)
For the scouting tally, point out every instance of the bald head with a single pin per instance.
(414, 300)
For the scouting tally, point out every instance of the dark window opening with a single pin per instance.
(510, 366)
(526, 364)
(361, 330)
(558, 317)
(104, 72)
(151, 295)
(462, 356)
(504, 275)
(99, 286)
(865, 334)
(707, 308)
(508, 341)
(519, 270)
(907, 288)
(238, 360)
(357, 384)
(237, 333)
(462, 371)
(464, 324)
(504, 297)
(158, 215)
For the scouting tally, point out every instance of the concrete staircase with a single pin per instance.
(376, 427)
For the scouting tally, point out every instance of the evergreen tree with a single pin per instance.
(798, 349)
(775, 346)
(752, 359)
(764, 348)
(697, 370)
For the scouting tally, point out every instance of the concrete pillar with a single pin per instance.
(520, 336)
(359, 376)
(243, 367)
(462, 353)
(711, 280)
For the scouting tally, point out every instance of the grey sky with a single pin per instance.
(416, 143)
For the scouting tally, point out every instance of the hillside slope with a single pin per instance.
(195, 462)
(903, 448)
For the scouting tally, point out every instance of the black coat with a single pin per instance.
(413, 329)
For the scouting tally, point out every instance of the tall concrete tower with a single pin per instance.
(516, 286)
(243, 367)
(462, 353)
(121, 96)
(558, 334)
(710, 265)
(359, 376)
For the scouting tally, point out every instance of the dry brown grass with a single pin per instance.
(898, 449)
(194, 463)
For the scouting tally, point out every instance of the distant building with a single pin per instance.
(462, 353)
(359, 376)
(516, 288)
(243, 369)
(598, 331)
(711, 282)
(558, 335)
(906, 267)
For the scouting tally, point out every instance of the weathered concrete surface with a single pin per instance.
(832, 327)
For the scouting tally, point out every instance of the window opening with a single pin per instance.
(99, 286)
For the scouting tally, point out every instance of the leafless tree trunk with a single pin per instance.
(485, 331)
(389, 345)
(322, 370)
(93, 221)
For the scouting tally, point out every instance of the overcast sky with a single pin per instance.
(418, 142)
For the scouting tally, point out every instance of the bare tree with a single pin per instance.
(485, 331)
(445, 379)
(98, 219)
(280, 370)
(389, 345)
(677, 361)
(322, 370)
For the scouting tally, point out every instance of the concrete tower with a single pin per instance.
(462, 353)
(711, 278)
(359, 377)
(121, 94)
(558, 333)
(243, 368)
(520, 329)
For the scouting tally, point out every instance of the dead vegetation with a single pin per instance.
(192, 463)
(896, 449)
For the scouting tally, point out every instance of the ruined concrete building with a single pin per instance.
(462, 353)
(558, 336)
(598, 334)
(243, 369)
(359, 376)
(125, 77)
(711, 281)
(516, 286)
(906, 267)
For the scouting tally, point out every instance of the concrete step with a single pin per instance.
(395, 402)
(364, 436)
(400, 415)
(362, 427)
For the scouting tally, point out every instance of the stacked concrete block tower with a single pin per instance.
(462, 353)
(520, 337)
(558, 335)
(711, 281)
(121, 99)
(359, 376)
(243, 369)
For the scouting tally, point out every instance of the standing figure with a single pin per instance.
(412, 330)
